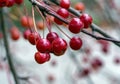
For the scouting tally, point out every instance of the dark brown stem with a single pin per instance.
(6, 44)
(76, 13)
(93, 27)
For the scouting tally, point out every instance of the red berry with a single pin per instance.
(59, 46)
(41, 58)
(52, 36)
(26, 33)
(63, 13)
(75, 25)
(86, 19)
(26, 21)
(43, 45)
(65, 3)
(3, 3)
(117, 60)
(96, 63)
(75, 43)
(33, 37)
(18, 2)
(79, 6)
(85, 72)
(15, 33)
(10, 3)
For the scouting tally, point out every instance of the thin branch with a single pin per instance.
(93, 26)
(7, 47)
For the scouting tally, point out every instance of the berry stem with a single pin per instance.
(33, 16)
(93, 26)
(61, 30)
(6, 44)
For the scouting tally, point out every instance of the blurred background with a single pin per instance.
(97, 62)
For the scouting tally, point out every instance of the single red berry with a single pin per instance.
(96, 63)
(117, 60)
(50, 78)
(63, 13)
(75, 25)
(86, 19)
(10, 3)
(75, 43)
(26, 21)
(15, 33)
(26, 33)
(79, 6)
(52, 36)
(3, 3)
(59, 46)
(43, 45)
(19, 2)
(41, 58)
(33, 37)
(85, 72)
(65, 4)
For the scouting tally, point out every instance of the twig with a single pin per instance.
(73, 11)
(93, 26)
(7, 47)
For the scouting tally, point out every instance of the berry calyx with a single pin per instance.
(52, 36)
(75, 43)
(75, 25)
(41, 58)
(43, 45)
(59, 46)
(65, 4)
(86, 19)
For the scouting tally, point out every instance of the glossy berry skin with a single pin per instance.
(33, 37)
(3, 3)
(41, 58)
(63, 13)
(59, 46)
(86, 19)
(43, 45)
(26, 33)
(65, 4)
(19, 2)
(75, 43)
(10, 3)
(75, 25)
(26, 21)
(52, 36)
(15, 33)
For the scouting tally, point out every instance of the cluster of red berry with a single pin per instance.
(53, 43)
(9, 3)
